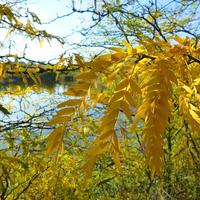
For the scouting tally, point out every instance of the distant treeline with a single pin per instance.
(47, 79)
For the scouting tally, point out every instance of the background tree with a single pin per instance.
(114, 21)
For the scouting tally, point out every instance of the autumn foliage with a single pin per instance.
(140, 83)
(127, 127)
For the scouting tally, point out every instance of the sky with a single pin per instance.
(48, 10)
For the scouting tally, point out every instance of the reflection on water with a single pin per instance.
(31, 105)
(48, 81)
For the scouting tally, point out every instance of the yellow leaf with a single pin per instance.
(117, 96)
(1, 69)
(106, 134)
(81, 86)
(194, 108)
(117, 56)
(115, 105)
(195, 116)
(117, 49)
(71, 102)
(103, 58)
(140, 114)
(66, 111)
(172, 76)
(124, 83)
(105, 126)
(130, 49)
(87, 76)
(116, 160)
(24, 78)
(38, 78)
(179, 39)
(41, 42)
(79, 60)
(129, 98)
(152, 172)
(187, 89)
(135, 87)
(73, 92)
(126, 109)
(112, 114)
(116, 143)
(97, 149)
(9, 32)
(55, 139)
(57, 75)
(57, 120)
(140, 49)
(32, 75)
(89, 92)
(87, 167)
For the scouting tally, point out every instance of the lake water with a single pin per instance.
(30, 106)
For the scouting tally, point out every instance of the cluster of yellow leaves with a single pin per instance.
(140, 79)
(155, 109)
(121, 101)
(55, 140)
(11, 18)
(189, 106)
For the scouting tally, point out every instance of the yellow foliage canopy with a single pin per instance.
(138, 82)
